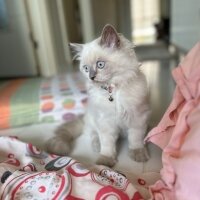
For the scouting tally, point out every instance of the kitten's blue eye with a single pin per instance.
(86, 68)
(100, 64)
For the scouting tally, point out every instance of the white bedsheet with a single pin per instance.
(82, 152)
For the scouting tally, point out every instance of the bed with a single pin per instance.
(32, 108)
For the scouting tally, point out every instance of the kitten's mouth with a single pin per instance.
(98, 80)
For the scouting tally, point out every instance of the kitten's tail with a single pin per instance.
(61, 143)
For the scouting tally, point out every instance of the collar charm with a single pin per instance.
(109, 88)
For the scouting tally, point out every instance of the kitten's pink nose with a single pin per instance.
(92, 74)
(92, 78)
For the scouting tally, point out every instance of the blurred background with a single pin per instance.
(34, 36)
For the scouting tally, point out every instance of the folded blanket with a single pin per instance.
(28, 173)
(178, 135)
(36, 100)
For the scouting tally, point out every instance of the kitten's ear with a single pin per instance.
(76, 50)
(109, 37)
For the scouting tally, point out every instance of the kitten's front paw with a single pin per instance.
(96, 145)
(104, 160)
(139, 154)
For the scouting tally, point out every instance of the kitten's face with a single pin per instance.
(95, 63)
(103, 58)
(97, 70)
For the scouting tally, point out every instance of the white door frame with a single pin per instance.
(41, 26)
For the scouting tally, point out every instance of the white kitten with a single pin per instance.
(118, 98)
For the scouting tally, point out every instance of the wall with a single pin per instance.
(95, 14)
(185, 23)
(16, 50)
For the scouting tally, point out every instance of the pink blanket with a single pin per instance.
(178, 134)
(28, 173)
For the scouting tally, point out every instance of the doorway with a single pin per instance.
(145, 14)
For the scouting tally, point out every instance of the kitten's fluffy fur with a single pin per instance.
(104, 119)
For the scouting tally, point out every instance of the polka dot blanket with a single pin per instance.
(37, 100)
